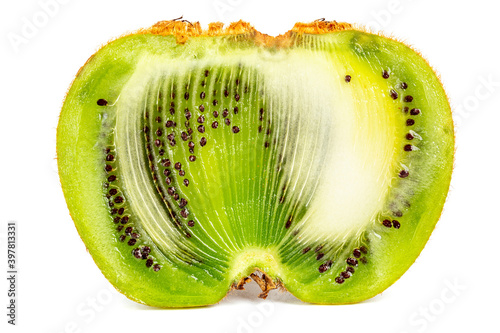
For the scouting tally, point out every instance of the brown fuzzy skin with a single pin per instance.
(183, 30)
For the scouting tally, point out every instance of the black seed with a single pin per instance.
(122, 238)
(157, 143)
(225, 113)
(203, 83)
(410, 122)
(186, 182)
(202, 108)
(135, 235)
(216, 114)
(324, 267)
(404, 85)
(201, 129)
(128, 230)
(201, 119)
(409, 136)
(182, 173)
(168, 180)
(184, 136)
(159, 132)
(186, 95)
(408, 98)
(237, 81)
(108, 168)
(393, 94)
(288, 223)
(169, 123)
(349, 269)
(363, 250)
(114, 211)
(207, 72)
(184, 213)
(166, 162)
(236, 110)
(113, 191)
(202, 95)
(188, 115)
(172, 111)
(188, 235)
(396, 224)
(398, 213)
(385, 74)
(345, 275)
(307, 249)
(404, 173)
(363, 260)
(339, 280)
(268, 131)
(110, 157)
(347, 78)
(178, 165)
(266, 144)
(149, 262)
(226, 93)
(158, 119)
(172, 95)
(156, 268)
(215, 102)
(146, 129)
(172, 104)
(215, 124)
(102, 102)
(146, 249)
(192, 158)
(260, 129)
(356, 253)
(237, 97)
(406, 109)
(176, 196)
(172, 142)
(203, 141)
(236, 129)
(118, 199)
(319, 256)
(227, 121)
(261, 118)
(171, 190)
(191, 223)
(352, 262)
(116, 219)
(125, 219)
(119, 228)
(183, 203)
(132, 242)
(317, 249)
(137, 253)
(408, 148)
(415, 112)
(387, 223)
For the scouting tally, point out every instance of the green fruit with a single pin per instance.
(318, 161)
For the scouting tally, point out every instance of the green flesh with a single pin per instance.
(318, 168)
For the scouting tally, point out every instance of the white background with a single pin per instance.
(453, 285)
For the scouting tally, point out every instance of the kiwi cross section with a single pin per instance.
(321, 163)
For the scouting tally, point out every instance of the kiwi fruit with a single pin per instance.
(195, 160)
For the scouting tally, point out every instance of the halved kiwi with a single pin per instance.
(191, 159)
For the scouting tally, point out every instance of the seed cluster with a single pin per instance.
(117, 205)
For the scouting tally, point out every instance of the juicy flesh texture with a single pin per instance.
(316, 169)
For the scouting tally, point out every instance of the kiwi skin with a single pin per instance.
(116, 61)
